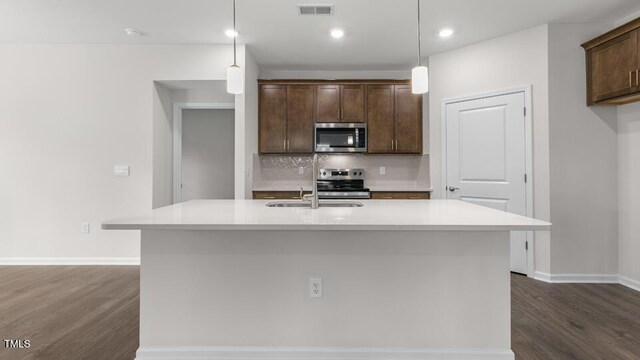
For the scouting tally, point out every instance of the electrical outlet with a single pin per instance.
(86, 228)
(315, 287)
(383, 170)
(300, 170)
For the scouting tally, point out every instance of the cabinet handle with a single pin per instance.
(637, 77)
(630, 78)
(284, 144)
(387, 197)
(288, 147)
(269, 197)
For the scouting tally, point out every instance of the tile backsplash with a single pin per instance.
(276, 172)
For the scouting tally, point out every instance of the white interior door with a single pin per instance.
(486, 159)
(207, 166)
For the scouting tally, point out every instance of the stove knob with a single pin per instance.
(324, 173)
(355, 173)
(360, 173)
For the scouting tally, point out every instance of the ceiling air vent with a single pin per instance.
(315, 9)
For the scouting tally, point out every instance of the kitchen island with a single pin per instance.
(230, 279)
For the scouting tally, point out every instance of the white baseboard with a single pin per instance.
(69, 261)
(317, 353)
(577, 278)
(587, 279)
(630, 283)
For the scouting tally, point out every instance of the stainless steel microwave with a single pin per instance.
(340, 137)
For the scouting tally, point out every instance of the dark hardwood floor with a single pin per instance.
(574, 321)
(91, 312)
(70, 312)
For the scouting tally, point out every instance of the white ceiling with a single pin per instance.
(380, 34)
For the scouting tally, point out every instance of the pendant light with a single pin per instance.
(235, 74)
(419, 74)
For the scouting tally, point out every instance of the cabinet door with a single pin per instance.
(300, 118)
(400, 195)
(613, 66)
(380, 119)
(273, 119)
(352, 97)
(408, 124)
(328, 103)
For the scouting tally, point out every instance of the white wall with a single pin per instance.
(629, 190)
(583, 161)
(68, 114)
(505, 62)
(250, 108)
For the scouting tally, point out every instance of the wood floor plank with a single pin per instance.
(92, 312)
(70, 312)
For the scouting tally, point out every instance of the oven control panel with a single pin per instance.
(341, 174)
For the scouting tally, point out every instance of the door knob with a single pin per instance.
(452, 189)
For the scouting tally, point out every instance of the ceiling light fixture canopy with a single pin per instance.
(337, 33)
(419, 74)
(235, 74)
(446, 32)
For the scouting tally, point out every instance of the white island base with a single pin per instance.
(398, 292)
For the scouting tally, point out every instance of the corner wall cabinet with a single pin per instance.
(288, 110)
(613, 66)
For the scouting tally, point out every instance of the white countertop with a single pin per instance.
(436, 215)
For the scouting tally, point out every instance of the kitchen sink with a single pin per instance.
(300, 204)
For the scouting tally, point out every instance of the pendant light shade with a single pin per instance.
(235, 80)
(420, 80)
(235, 74)
(419, 74)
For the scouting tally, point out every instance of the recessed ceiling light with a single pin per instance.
(231, 33)
(133, 32)
(445, 33)
(337, 33)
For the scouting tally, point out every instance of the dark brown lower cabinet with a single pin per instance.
(277, 195)
(400, 195)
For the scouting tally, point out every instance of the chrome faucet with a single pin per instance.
(313, 197)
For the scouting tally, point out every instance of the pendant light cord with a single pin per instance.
(419, 55)
(235, 33)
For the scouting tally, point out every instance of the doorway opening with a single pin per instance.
(204, 149)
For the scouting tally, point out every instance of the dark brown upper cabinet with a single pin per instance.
(380, 124)
(408, 120)
(340, 103)
(272, 133)
(286, 119)
(328, 103)
(394, 120)
(613, 66)
(288, 110)
(300, 101)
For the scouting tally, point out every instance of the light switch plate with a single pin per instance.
(300, 170)
(85, 228)
(121, 170)
(383, 170)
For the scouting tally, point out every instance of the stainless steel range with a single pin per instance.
(342, 184)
